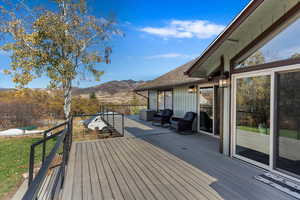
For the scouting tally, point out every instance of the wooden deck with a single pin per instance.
(130, 168)
(156, 163)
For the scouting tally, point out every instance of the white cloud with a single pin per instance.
(169, 55)
(201, 29)
(5, 53)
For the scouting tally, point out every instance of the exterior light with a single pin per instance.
(224, 81)
(192, 89)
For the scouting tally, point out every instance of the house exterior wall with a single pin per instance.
(183, 101)
(153, 100)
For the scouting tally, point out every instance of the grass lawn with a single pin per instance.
(14, 158)
(283, 132)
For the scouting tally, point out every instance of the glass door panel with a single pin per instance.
(206, 114)
(253, 118)
(287, 126)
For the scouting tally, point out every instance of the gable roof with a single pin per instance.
(173, 78)
(242, 16)
(250, 27)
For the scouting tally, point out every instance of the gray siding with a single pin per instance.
(153, 99)
(183, 101)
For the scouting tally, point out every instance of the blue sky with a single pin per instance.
(160, 35)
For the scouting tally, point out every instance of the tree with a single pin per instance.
(93, 95)
(255, 59)
(64, 44)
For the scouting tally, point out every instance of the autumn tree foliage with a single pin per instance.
(64, 42)
(27, 107)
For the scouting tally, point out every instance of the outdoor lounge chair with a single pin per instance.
(185, 123)
(206, 122)
(162, 117)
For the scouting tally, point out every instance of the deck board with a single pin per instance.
(129, 168)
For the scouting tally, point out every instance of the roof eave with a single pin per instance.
(241, 17)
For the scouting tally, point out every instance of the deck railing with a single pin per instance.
(53, 164)
(113, 120)
(46, 180)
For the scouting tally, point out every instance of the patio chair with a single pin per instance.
(206, 123)
(185, 123)
(162, 117)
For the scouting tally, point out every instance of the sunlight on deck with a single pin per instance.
(131, 168)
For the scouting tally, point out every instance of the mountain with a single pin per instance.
(116, 92)
(112, 92)
(110, 87)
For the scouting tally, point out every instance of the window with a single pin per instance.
(168, 100)
(165, 100)
(161, 101)
(285, 45)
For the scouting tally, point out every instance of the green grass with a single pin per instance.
(252, 129)
(283, 132)
(14, 158)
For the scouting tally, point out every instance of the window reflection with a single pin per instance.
(161, 102)
(168, 99)
(288, 122)
(283, 46)
(253, 118)
(165, 100)
(206, 109)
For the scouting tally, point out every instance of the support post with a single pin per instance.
(226, 113)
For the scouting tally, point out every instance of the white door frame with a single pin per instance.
(198, 109)
(272, 72)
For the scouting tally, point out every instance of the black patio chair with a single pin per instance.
(185, 123)
(206, 123)
(162, 117)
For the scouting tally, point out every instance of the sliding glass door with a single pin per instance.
(206, 114)
(287, 131)
(266, 118)
(252, 129)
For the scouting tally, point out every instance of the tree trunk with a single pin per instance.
(67, 98)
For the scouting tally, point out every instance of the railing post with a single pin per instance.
(71, 132)
(113, 116)
(44, 147)
(107, 115)
(31, 165)
(122, 124)
(65, 156)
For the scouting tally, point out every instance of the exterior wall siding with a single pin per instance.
(183, 101)
(153, 100)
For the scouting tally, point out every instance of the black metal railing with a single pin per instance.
(126, 109)
(54, 163)
(114, 121)
(62, 134)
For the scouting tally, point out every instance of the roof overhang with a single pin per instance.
(253, 20)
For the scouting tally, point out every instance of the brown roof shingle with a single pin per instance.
(173, 78)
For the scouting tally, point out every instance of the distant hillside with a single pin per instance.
(117, 92)
(112, 92)
(110, 87)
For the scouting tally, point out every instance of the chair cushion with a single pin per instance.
(189, 116)
(167, 113)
